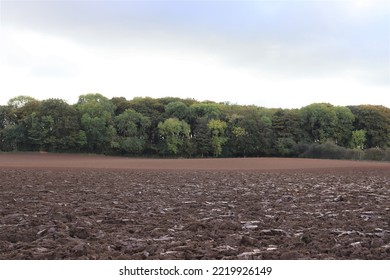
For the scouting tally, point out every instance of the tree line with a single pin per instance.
(175, 127)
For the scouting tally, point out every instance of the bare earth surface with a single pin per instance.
(96, 207)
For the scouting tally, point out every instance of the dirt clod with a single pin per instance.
(86, 213)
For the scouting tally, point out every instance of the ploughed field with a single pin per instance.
(95, 207)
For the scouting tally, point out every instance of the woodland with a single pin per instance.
(176, 127)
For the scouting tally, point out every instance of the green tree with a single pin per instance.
(20, 110)
(285, 146)
(259, 139)
(154, 110)
(344, 125)
(217, 130)
(180, 111)
(375, 120)
(96, 120)
(173, 133)
(121, 104)
(21, 101)
(235, 135)
(64, 132)
(131, 128)
(207, 110)
(319, 121)
(4, 116)
(201, 137)
(38, 129)
(12, 136)
(286, 124)
(287, 132)
(238, 135)
(3, 124)
(358, 139)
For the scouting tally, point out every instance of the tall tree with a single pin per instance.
(64, 132)
(12, 136)
(121, 104)
(4, 116)
(201, 139)
(217, 130)
(131, 128)
(173, 134)
(180, 111)
(344, 125)
(38, 129)
(154, 110)
(259, 137)
(235, 136)
(319, 121)
(21, 108)
(287, 131)
(21, 101)
(207, 110)
(358, 140)
(375, 120)
(96, 120)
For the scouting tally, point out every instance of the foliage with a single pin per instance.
(12, 136)
(154, 110)
(120, 104)
(319, 121)
(20, 101)
(287, 132)
(286, 124)
(131, 128)
(185, 127)
(207, 110)
(63, 129)
(173, 133)
(358, 139)
(375, 120)
(180, 111)
(18, 122)
(387, 155)
(217, 130)
(342, 131)
(259, 138)
(286, 146)
(201, 140)
(326, 150)
(374, 154)
(96, 120)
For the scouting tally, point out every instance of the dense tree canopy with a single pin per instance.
(375, 120)
(96, 113)
(174, 134)
(172, 126)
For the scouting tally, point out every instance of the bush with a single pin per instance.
(327, 150)
(374, 154)
(387, 155)
(301, 148)
(330, 150)
(286, 147)
(354, 154)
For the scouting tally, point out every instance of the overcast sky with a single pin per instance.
(269, 53)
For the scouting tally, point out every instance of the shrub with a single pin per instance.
(327, 150)
(387, 154)
(286, 147)
(354, 154)
(301, 148)
(374, 154)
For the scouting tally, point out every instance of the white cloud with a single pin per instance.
(365, 8)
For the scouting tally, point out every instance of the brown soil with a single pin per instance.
(94, 207)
